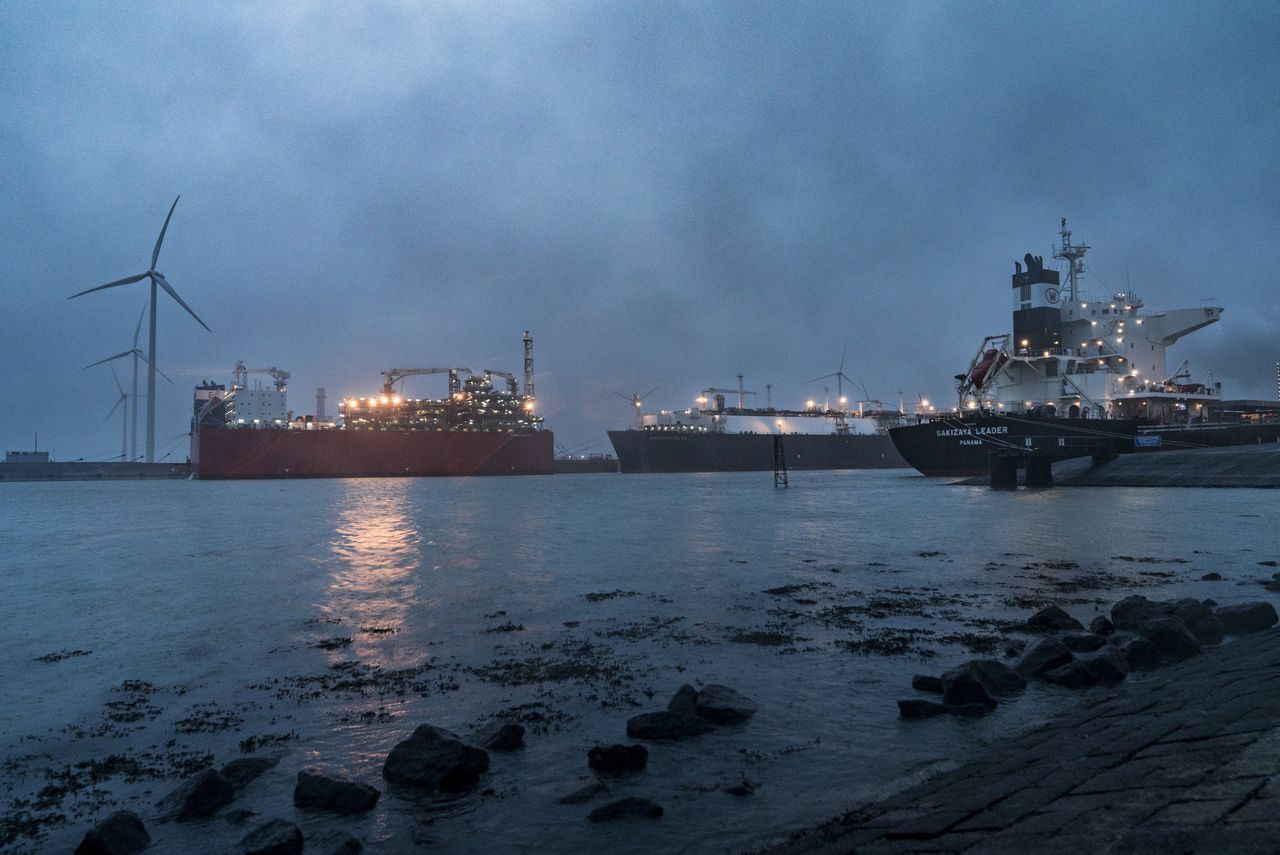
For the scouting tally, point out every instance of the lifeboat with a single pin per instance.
(980, 370)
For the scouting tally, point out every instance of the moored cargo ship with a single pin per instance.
(477, 429)
(1080, 375)
(742, 439)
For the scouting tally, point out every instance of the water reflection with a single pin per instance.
(376, 542)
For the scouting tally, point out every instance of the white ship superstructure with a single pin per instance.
(1072, 354)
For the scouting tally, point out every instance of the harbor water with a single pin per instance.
(155, 628)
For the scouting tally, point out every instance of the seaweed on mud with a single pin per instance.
(788, 590)
(975, 642)
(133, 703)
(768, 637)
(62, 654)
(893, 641)
(333, 643)
(208, 718)
(537, 717)
(250, 744)
(358, 679)
(642, 630)
(506, 627)
(597, 596)
(1150, 560)
(380, 630)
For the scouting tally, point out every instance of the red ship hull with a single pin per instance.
(222, 453)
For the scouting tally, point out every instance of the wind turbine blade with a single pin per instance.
(650, 392)
(155, 255)
(119, 388)
(143, 357)
(823, 377)
(138, 328)
(163, 283)
(119, 401)
(109, 358)
(128, 280)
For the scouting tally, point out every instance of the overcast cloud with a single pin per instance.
(664, 194)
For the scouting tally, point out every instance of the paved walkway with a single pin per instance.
(1186, 759)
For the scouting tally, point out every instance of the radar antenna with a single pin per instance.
(1073, 254)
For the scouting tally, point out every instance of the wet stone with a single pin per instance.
(1141, 654)
(917, 708)
(1172, 638)
(667, 726)
(503, 736)
(119, 834)
(277, 837)
(1074, 675)
(320, 792)
(926, 683)
(617, 759)
(197, 797)
(1101, 625)
(685, 701)
(628, 808)
(435, 759)
(1246, 618)
(1084, 642)
(245, 769)
(723, 705)
(1053, 619)
(1047, 654)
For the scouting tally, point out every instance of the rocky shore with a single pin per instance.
(1180, 761)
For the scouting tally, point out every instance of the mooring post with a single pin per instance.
(779, 464)
(1039, 471)
(1004, 471)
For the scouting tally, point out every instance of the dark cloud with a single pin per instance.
(665, 194)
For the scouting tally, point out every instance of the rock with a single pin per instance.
(1199, 618)
(917, 708)
(963, 687)
(685, 701)
(1132, 612)
(339, 843)
(197, 797)
(244, 769)
(628, 808)
(1076, 674)
(1246, 618)
(238, 816)
(503, 736)
(617, 759)
(582, 795)
(320, 792)
(1109, 666)
(744, 789)
(1211, 577)
(277, 837)
(996, 677)
(1141, 654)
(435, 759)
(1101, 625)
(925, 683)
(1273, 586)
(1047, 654)
(723, 705)
(1014, 647)
(1053, 619)
(1138, 613)
(1085, 642)
(119, 834)
(666, 726)
(1172, 638)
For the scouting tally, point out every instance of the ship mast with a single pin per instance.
(1074, 256)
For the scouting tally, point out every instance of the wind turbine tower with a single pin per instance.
(157, 282)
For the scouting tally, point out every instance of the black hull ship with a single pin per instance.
(1079, 376)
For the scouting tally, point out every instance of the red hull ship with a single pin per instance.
(477, 429)
(337, 453)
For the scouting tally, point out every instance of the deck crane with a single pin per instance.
(507, 375)
(720, 393)
(240, 376)
(390, 378)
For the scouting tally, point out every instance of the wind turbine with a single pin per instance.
(124, 433)
(136, 354)
(157, 281)
(839, 375)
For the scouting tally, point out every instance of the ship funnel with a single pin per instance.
(1037, 307)
(528, 364)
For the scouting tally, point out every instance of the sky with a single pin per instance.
(663, 194)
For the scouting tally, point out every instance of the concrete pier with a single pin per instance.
(1183, 760)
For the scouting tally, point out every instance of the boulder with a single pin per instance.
(1273, 586)
(1047, 654)
(925, 683)
(723, 705)
(917, 708)
(968, 710)
(1211, 577)
(277, 837)
(668, 726)
(1014, 647)
(684, 701)
(1084, 642)
(964, 687)
(1141, 654)
(1246, 618)
(1199, 618)
(337, 843)
(1172, 638)
(582, 795)
(1132, 612)
(503, 736)
(435, 759)
(617, 759)
(1076, 674)
(197, 797)
(1109, 666)
(244, 769)
(1052, 619)
(996, 677)
(628, 808)
(119, 834)
(320, 792)
(1101, 625)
